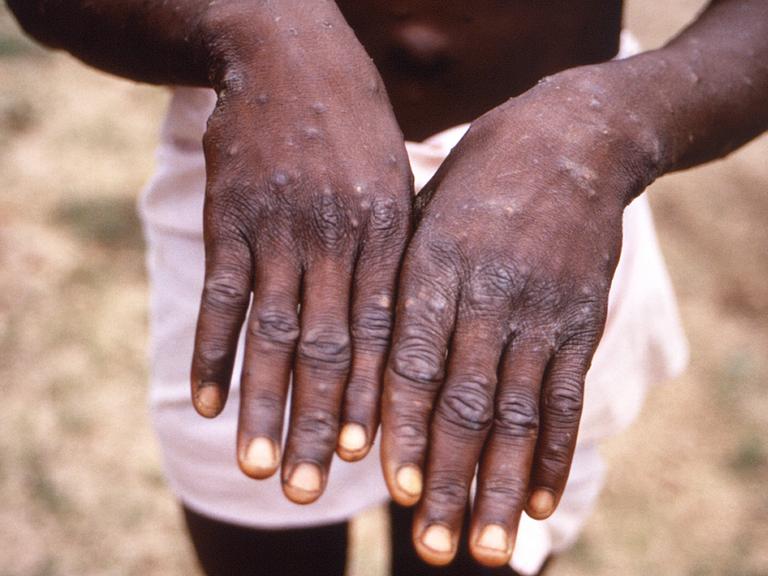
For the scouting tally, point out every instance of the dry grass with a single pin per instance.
(80, 484)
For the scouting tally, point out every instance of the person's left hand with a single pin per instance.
(503, 299)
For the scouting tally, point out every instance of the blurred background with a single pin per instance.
(81, 490)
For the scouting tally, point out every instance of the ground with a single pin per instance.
(80, 482)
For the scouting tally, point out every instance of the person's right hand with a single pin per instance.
(307, 203)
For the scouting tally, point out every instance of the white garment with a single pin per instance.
(643, 343)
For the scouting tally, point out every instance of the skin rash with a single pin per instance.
(502, 267)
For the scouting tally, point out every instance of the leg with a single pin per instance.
(405, 562)
(229, 550)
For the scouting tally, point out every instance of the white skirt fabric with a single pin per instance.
(643, 344)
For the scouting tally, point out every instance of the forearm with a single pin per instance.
(706, 92)
(156, 42)
(696, 99)
(188, 42)
(711, 84)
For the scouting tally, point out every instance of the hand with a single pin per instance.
(503, 298)
(308, 202)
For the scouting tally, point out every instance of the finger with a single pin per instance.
(273, 330)
(414, 374)
(461, 421)
(505, 467)
(371, 326)
(561, 402)
(223, 306)
(321, 369)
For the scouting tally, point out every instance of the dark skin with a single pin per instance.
(503, 280)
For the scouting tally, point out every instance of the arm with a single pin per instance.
(504, 287)
(162, 43)
(308, 200)
(704, 94)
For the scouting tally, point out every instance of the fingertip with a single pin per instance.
(409, 484)
(260, 459)
(353, 442)
(541, 504)
(493, 546)
(208, 399)
(305, 483)
(436, 545)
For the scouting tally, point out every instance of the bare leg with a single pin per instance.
(230, 550)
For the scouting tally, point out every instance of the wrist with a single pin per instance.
(241, 36)
(592, 114)
(650, 92)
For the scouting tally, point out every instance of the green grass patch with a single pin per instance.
(107, 222)
(13, 46)
(750, 456)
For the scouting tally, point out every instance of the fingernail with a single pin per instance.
(438, 539)
(305, 477)
(494, 537)
(353, 438)
(208, 399)
(409, 480)
(261, 458)
(541, 503)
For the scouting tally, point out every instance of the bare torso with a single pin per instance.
(445, 62)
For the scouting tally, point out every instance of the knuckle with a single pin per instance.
(329, 221)
(517, 415)
(545, 294)
(224, 292)
(447, 492)
(544, 297)
(496, 281)
(384, 216)
(320, 426)
(468, 405)
(563, 402)
(577, 347)
(211, 353)
(586, 316)
(262, 404)
(410, 435)
(325, 348)
(231, 214)
(362, 391)
(372, 325)
(439, 253)
(418, 361)
(275, 328)
(556, 456)
(510, 489)
(260, 408)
